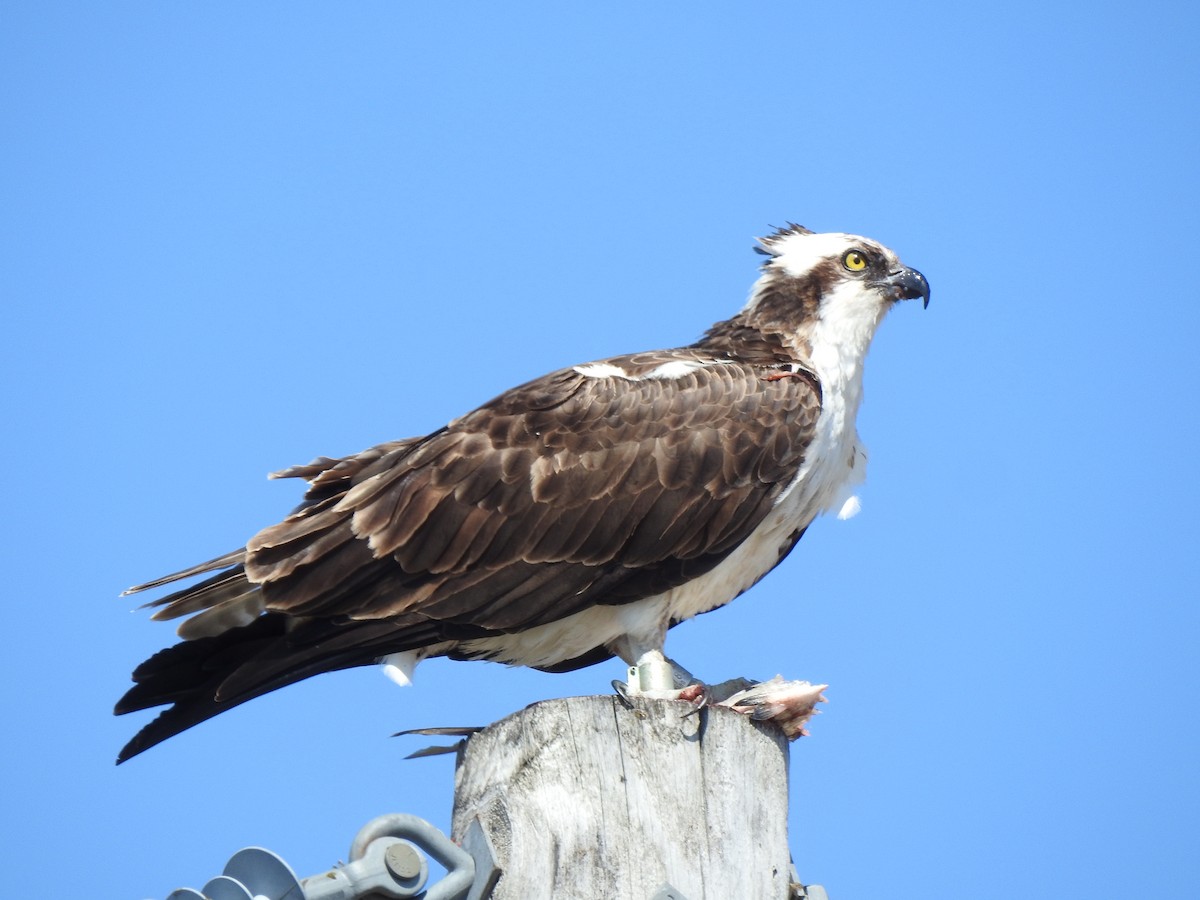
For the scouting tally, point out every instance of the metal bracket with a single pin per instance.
(385, 862)
(477, 843)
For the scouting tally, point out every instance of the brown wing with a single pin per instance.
(551, 498)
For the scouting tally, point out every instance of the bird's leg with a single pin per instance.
(653, 675)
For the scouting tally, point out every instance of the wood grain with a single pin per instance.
(584, 798)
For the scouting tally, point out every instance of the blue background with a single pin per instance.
(237, 236)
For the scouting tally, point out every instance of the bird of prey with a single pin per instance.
(573, 518)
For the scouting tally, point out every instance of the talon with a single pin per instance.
(697, 696)
(622, 690)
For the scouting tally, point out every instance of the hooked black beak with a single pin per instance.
(906, 284)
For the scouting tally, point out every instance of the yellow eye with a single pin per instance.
(854, 261)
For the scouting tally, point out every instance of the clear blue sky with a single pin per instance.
(237, 236)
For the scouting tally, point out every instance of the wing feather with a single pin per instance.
(567, 491)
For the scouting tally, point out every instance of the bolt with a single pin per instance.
(402, 861)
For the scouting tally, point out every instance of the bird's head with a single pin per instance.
(838, 284)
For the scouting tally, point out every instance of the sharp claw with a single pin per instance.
(697, 696)
(622, 690)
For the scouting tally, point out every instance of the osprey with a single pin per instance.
(574, 518)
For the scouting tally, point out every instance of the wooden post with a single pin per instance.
(585, 799)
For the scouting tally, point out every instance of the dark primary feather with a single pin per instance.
(564, 493)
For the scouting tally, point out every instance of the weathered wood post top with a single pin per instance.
(588, 799)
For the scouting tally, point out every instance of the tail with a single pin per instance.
(204, 677)
(234, 649)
